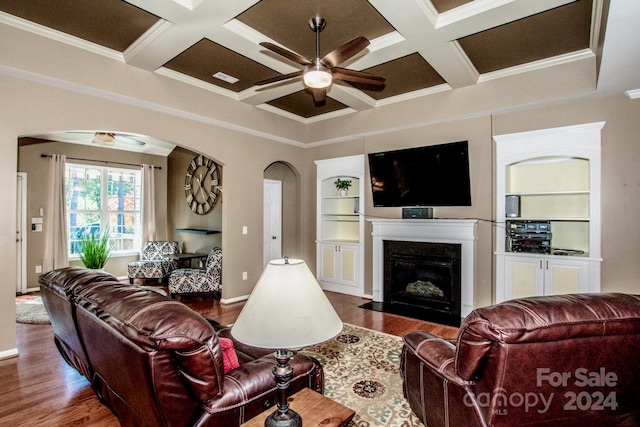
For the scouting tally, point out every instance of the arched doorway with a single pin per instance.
(285, 211)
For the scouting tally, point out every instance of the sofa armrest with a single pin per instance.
(250, 389)
(437, 353)
(435, 392)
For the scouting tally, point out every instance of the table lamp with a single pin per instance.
(287, 310)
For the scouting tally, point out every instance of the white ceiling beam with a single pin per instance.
(189, 27)
(433, 35)
(415, 21)
(481, 15)
(352, 97)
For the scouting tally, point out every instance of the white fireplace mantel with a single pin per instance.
(453, 231)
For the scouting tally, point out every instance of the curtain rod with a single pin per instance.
(106, 162)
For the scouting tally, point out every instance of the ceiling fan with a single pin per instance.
(319, 73)
(110, 138)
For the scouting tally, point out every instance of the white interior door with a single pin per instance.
(272, 220)
(21, 233)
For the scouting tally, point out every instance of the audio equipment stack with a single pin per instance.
(529, 236)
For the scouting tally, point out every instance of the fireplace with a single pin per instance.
(429, 252)
(423, 278)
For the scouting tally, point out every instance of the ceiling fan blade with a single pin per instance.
(357, 76)
(129, 140)
(279, 78)
(319, 96)
(344, 52)
(286, 53)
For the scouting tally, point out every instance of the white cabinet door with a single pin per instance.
(524, 277)
(566, 276)
(339, 264)
(533, 275)
(328, 263)
(348, 260)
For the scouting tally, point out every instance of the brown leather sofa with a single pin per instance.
(571, 360)
(155, 362)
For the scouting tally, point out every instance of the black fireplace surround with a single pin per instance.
(423, 280)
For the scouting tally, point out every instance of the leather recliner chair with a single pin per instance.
(570, 360)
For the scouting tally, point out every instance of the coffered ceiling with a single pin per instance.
(420, 46)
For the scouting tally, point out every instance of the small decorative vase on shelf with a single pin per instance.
(343, 186)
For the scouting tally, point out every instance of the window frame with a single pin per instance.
(103, 212)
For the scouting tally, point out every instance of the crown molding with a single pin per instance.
(49, 33)
(633, 94)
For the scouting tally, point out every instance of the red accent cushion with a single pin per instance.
(229, 356)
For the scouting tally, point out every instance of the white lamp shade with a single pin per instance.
(286, 310)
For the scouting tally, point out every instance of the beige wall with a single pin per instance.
(180, 214)
(37, 170)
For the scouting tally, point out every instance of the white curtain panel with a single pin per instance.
(148, 204)
(56, 246)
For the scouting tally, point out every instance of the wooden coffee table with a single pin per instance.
(314, 409)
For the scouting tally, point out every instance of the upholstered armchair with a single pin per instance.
(569, 361)
(155, 261)
(191, 280)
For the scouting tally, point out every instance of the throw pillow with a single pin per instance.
(229, 356)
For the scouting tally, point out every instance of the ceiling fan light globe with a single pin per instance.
(104, 138)
(317, 77)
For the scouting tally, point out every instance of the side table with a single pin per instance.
(314, 409)
(184, 259)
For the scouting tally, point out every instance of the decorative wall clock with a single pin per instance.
(201, 184)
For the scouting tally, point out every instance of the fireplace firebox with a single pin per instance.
(423, 280)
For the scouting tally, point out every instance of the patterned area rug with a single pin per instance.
(362, 371)
(31, 310)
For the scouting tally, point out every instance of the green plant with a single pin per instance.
(95, 250)
(342, 184)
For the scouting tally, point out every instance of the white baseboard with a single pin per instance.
(232, 300)
(341, 289)
(8, 353)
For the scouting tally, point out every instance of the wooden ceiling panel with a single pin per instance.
(301, 104)
(558, 31)
(403, 75)
(110, 23)
(287, 22)
(206, 58)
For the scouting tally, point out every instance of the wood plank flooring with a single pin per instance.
(39, 389)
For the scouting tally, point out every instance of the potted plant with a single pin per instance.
(95, 250)
(343, 186)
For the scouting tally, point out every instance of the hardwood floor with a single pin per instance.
(39, 388)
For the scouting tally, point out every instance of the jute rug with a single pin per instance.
(362, 371)
(32, 311)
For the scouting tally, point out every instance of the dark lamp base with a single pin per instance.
(289, 419)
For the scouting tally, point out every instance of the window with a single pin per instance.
(99, 199)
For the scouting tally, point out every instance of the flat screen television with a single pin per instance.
(435, 175)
